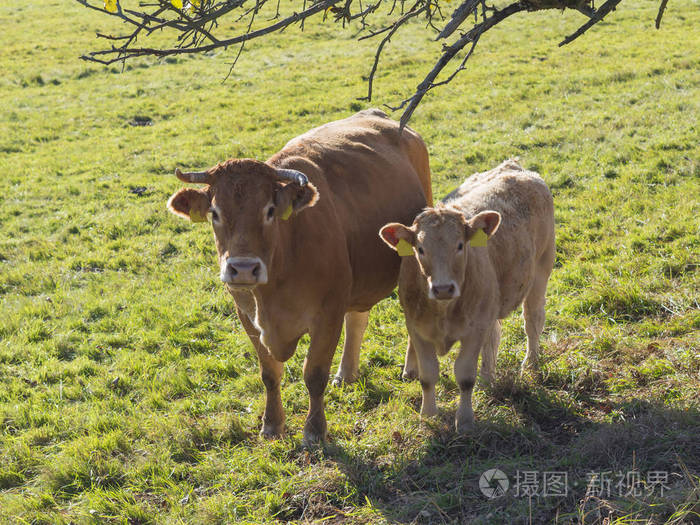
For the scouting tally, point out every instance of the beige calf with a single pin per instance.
(470, 261)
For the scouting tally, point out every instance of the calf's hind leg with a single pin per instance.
(533, 312)
(410, 366)
(355, 326)
(489, 352)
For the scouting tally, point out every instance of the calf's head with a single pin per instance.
(246, 200)
(439, 239)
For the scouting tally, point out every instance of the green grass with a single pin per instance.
(128, 390)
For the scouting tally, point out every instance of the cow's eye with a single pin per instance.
(420, 250)
(460, 246)
(214, 216)
(270, 212)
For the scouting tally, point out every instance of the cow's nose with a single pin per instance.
(244, 271)
(444, 291)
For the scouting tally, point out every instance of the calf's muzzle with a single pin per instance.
(443, 291)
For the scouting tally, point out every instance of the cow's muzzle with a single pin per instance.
(243, 271)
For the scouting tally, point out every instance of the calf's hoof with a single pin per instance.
(313, 439)
(409, 374)
(464, 427)
(272, 431)
(339, 380)
(530, 369)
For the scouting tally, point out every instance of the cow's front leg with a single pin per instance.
(465, 373)
(271, 372)
(317, 367)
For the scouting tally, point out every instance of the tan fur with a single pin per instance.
(325, 260)
(492, 281)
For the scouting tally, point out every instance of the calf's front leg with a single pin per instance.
(465, 374)
(317, 366)
(428, 373)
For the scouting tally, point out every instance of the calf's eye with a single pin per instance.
(420, 250)
(460, 246)
(270, 212)
(214, 216)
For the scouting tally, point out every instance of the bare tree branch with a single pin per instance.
(197, 30)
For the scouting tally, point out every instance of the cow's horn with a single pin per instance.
(198, 177)
(293, 175)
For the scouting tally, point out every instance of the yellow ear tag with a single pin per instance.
(195, 216)
(287, 213)
(479, 238)
(111, 6)
(404, 249)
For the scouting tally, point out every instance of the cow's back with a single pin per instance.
(526, 232)
(373, 175)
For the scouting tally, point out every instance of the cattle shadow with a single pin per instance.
(439, 482)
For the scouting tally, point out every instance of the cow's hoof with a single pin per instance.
(272, 431)
(409, 374)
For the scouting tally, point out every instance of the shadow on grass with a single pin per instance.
(434, 477)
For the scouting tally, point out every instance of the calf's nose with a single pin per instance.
(444, 291)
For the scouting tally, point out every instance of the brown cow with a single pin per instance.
(455, 286)
(298, 248)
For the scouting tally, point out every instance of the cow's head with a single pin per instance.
(440, 240)
(246, 200)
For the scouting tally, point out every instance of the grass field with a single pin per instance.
(128, 390)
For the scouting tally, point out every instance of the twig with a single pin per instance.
(145, 51)
(401, 21)
(600, 13)
(450, 51)
(662, 8)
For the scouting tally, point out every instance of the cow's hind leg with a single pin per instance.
(317, 366)
(355, 326)
(489, 352)
(533, 312)
(271, 372)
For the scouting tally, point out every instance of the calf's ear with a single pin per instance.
(190, 204)
(488, 221)
(395, 232)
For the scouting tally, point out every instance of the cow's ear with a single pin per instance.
(294, 198)
(394, 232)
(191, 204)
(488, 221)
